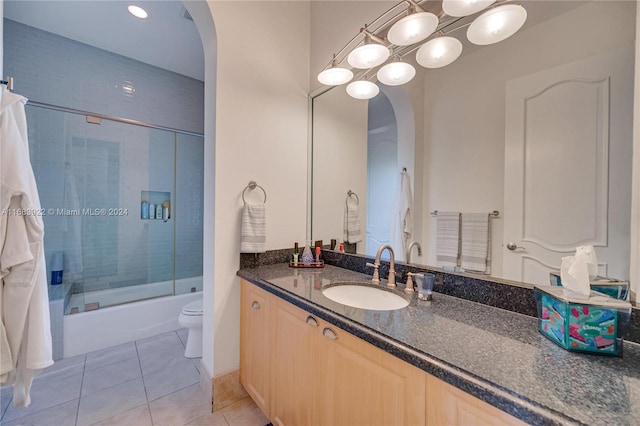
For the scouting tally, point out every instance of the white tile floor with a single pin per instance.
(147, 382)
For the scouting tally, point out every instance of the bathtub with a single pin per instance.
(93, 330)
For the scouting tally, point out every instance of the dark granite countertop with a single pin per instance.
(493, 354)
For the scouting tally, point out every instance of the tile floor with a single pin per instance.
(147, 382)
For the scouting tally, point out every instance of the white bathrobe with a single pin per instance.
(25, 333)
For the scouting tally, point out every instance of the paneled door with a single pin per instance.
(568, 166)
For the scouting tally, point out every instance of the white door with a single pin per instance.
(564, 126)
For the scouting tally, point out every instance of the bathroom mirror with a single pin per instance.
(452, 129)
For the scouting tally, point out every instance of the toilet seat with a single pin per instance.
(193, 309)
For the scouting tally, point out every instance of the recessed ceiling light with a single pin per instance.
(138, 12)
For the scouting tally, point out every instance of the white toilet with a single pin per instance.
(191, 318)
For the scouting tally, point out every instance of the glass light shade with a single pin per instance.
(368, 56)
(335, 76)
(396, 73)
(497, 24)
(464, 7)
(362, 89)
(413, 28)
(439, 52)
(137, 11)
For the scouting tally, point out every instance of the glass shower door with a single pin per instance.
(92, 180)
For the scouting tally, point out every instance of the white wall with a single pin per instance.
(1, 39)
(340, 156)
(201, 14)
(464, 112)
(260, 134)
(634, 275)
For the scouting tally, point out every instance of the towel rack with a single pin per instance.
(494, 213)
(349, 194)
(253, 185)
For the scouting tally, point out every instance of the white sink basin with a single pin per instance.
(365, 296)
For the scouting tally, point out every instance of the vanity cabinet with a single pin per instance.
(294, 345)
(301, 370)
(358, 383)
(255, 343)
(448, 405)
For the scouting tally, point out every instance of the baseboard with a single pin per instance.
(227, 390)
(206, 384)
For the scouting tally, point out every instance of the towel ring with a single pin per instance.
(349, 194)
(253, 185)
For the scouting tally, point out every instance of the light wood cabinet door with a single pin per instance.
(295, 334)
(360, 384)
(448, 405)
(255, 336)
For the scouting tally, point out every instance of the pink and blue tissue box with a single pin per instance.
(593, 325)
(609, 286)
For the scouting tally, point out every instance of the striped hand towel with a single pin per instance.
(448, 239)
(475, 242)
(352, 233)
(253, 229)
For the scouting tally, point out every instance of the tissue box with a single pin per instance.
(609, 286)
(593, 325)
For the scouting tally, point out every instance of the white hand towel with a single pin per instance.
(254, 229)
(448, 239)
(351, 230)
(475, 242)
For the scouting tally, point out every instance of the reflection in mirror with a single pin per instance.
(538, 127)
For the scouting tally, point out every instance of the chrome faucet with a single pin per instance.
(415, 243)
(392, 266)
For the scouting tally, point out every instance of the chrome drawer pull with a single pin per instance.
(255, 305)
(312, 321)
(329, 334)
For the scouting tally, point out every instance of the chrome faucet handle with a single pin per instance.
(392, 278)
(376, 273)
(409, 286)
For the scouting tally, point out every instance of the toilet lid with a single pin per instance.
(193, 308)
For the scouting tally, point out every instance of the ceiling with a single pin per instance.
(165, 39)
(169, 40)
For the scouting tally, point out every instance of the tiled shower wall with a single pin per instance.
(108, 166)
(56, 70)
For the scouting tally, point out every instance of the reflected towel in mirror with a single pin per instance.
(352, 232)
(474, 256)
(448, 239)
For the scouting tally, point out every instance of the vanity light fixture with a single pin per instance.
(362, 89)
(137, 11)
(335, 76)
(401, 30)
(413, 28)
(396, 73)
(497, 24)
(371, 54)
(464, 7)
(439, 52)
